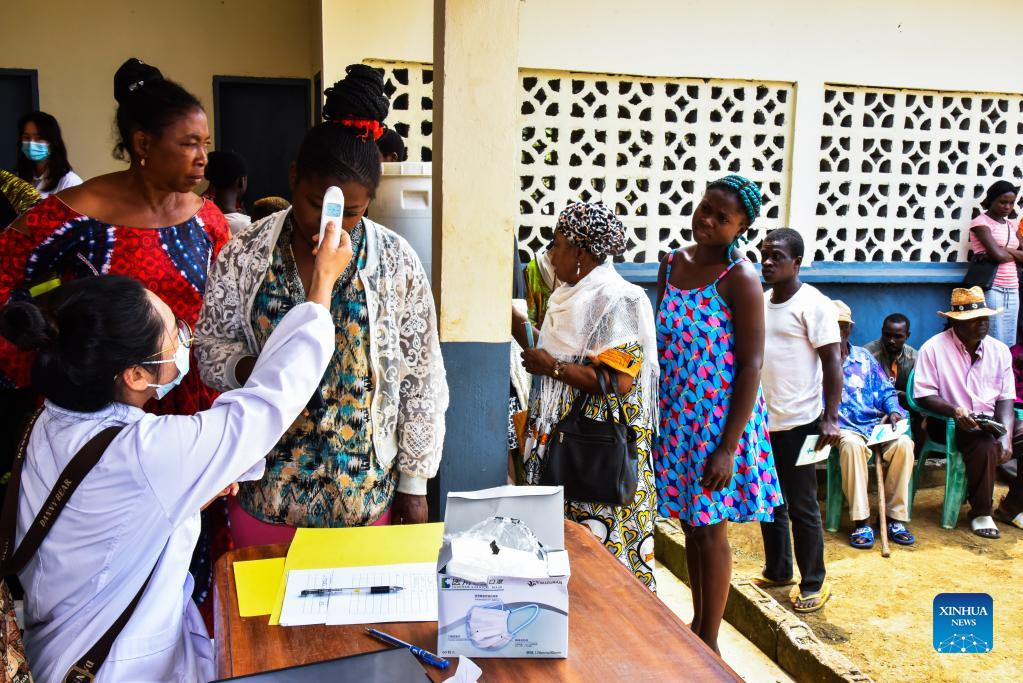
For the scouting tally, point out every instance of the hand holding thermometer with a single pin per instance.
(333, 208)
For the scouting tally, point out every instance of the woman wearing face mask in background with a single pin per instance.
(145, 222)
(106, 346)
(42, 156)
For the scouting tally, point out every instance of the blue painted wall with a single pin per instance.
(872, 291)
(476, 438)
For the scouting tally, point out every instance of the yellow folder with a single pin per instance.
(356, 547)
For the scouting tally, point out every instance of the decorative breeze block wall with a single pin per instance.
(646, 146)
(902, 171)
(410, 87)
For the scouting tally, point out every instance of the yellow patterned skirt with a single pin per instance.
(625, 530)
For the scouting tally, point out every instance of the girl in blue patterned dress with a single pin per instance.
(712, 460)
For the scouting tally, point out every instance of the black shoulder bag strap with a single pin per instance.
(14, 560)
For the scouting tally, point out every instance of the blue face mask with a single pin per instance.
(181, 361)
(36, 151)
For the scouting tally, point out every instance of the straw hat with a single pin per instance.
(844, 312)
(968, 304)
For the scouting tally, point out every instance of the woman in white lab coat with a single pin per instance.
(106, 345)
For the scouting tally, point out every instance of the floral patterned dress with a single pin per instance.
(625, 530)
(322, 473)
(696, 343)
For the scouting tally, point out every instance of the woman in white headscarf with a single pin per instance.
(595, 318)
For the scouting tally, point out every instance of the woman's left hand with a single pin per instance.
(717, 473)
(538, 362)
(409, 509)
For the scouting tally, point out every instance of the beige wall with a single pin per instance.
(76, 46)
(911, 43)
(928, 44)
(353, 31)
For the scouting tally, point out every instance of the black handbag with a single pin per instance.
(596, 461)
(982, 270)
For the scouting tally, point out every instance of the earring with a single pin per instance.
(578, 268)
(143, 162)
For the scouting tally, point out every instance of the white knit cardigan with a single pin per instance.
(410, 389)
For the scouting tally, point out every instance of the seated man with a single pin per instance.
(897, 358)
(868, 399)
(961, 373)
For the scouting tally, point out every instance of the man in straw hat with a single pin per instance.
(869, 399)
(962, 373)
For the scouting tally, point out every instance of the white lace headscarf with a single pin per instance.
(598, 313)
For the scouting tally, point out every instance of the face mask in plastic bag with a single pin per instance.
(489, 627)
(497, 546)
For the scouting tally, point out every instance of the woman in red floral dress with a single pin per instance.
(145, 222)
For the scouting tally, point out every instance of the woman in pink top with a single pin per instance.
(992, 233)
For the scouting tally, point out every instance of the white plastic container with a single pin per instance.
(404, 203)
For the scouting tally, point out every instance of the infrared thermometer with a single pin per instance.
(333, 207)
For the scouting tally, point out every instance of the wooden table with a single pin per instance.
(618, 630)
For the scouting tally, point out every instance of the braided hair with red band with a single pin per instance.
(368, 126)
(344, 147)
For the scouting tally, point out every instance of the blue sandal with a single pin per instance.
(898, 533)
(862, 538)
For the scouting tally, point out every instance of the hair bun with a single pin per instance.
(359, 95)
(131, 76)
(26, 326)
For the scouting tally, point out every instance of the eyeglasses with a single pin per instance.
(185, 339)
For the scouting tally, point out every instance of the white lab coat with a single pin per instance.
(140, 506)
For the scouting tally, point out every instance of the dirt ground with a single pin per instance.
(880, 611)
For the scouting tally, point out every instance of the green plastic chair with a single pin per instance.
(955, 472)
(835, 495)
(955, 467)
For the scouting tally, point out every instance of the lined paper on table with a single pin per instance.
(417, 602)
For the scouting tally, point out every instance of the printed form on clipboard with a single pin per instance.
(882, 433)
(416, 602)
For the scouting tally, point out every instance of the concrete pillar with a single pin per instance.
(475, 134)
(805, 163)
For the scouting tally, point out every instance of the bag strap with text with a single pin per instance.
(13, 560)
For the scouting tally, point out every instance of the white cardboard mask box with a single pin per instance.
(506, 616)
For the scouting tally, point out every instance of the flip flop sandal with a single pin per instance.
(1016, 521)
(862, 538)
(764, 582)
(898, 533)
(985, 528)
(818, 600)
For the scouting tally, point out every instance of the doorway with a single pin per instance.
(19, 94)
(263, 120)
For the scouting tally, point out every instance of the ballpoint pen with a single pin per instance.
(427, 657)
(373, 590)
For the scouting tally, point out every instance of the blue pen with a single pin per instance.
(427, 657)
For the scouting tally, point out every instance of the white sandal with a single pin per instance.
(1016, 521)
(985, 523)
